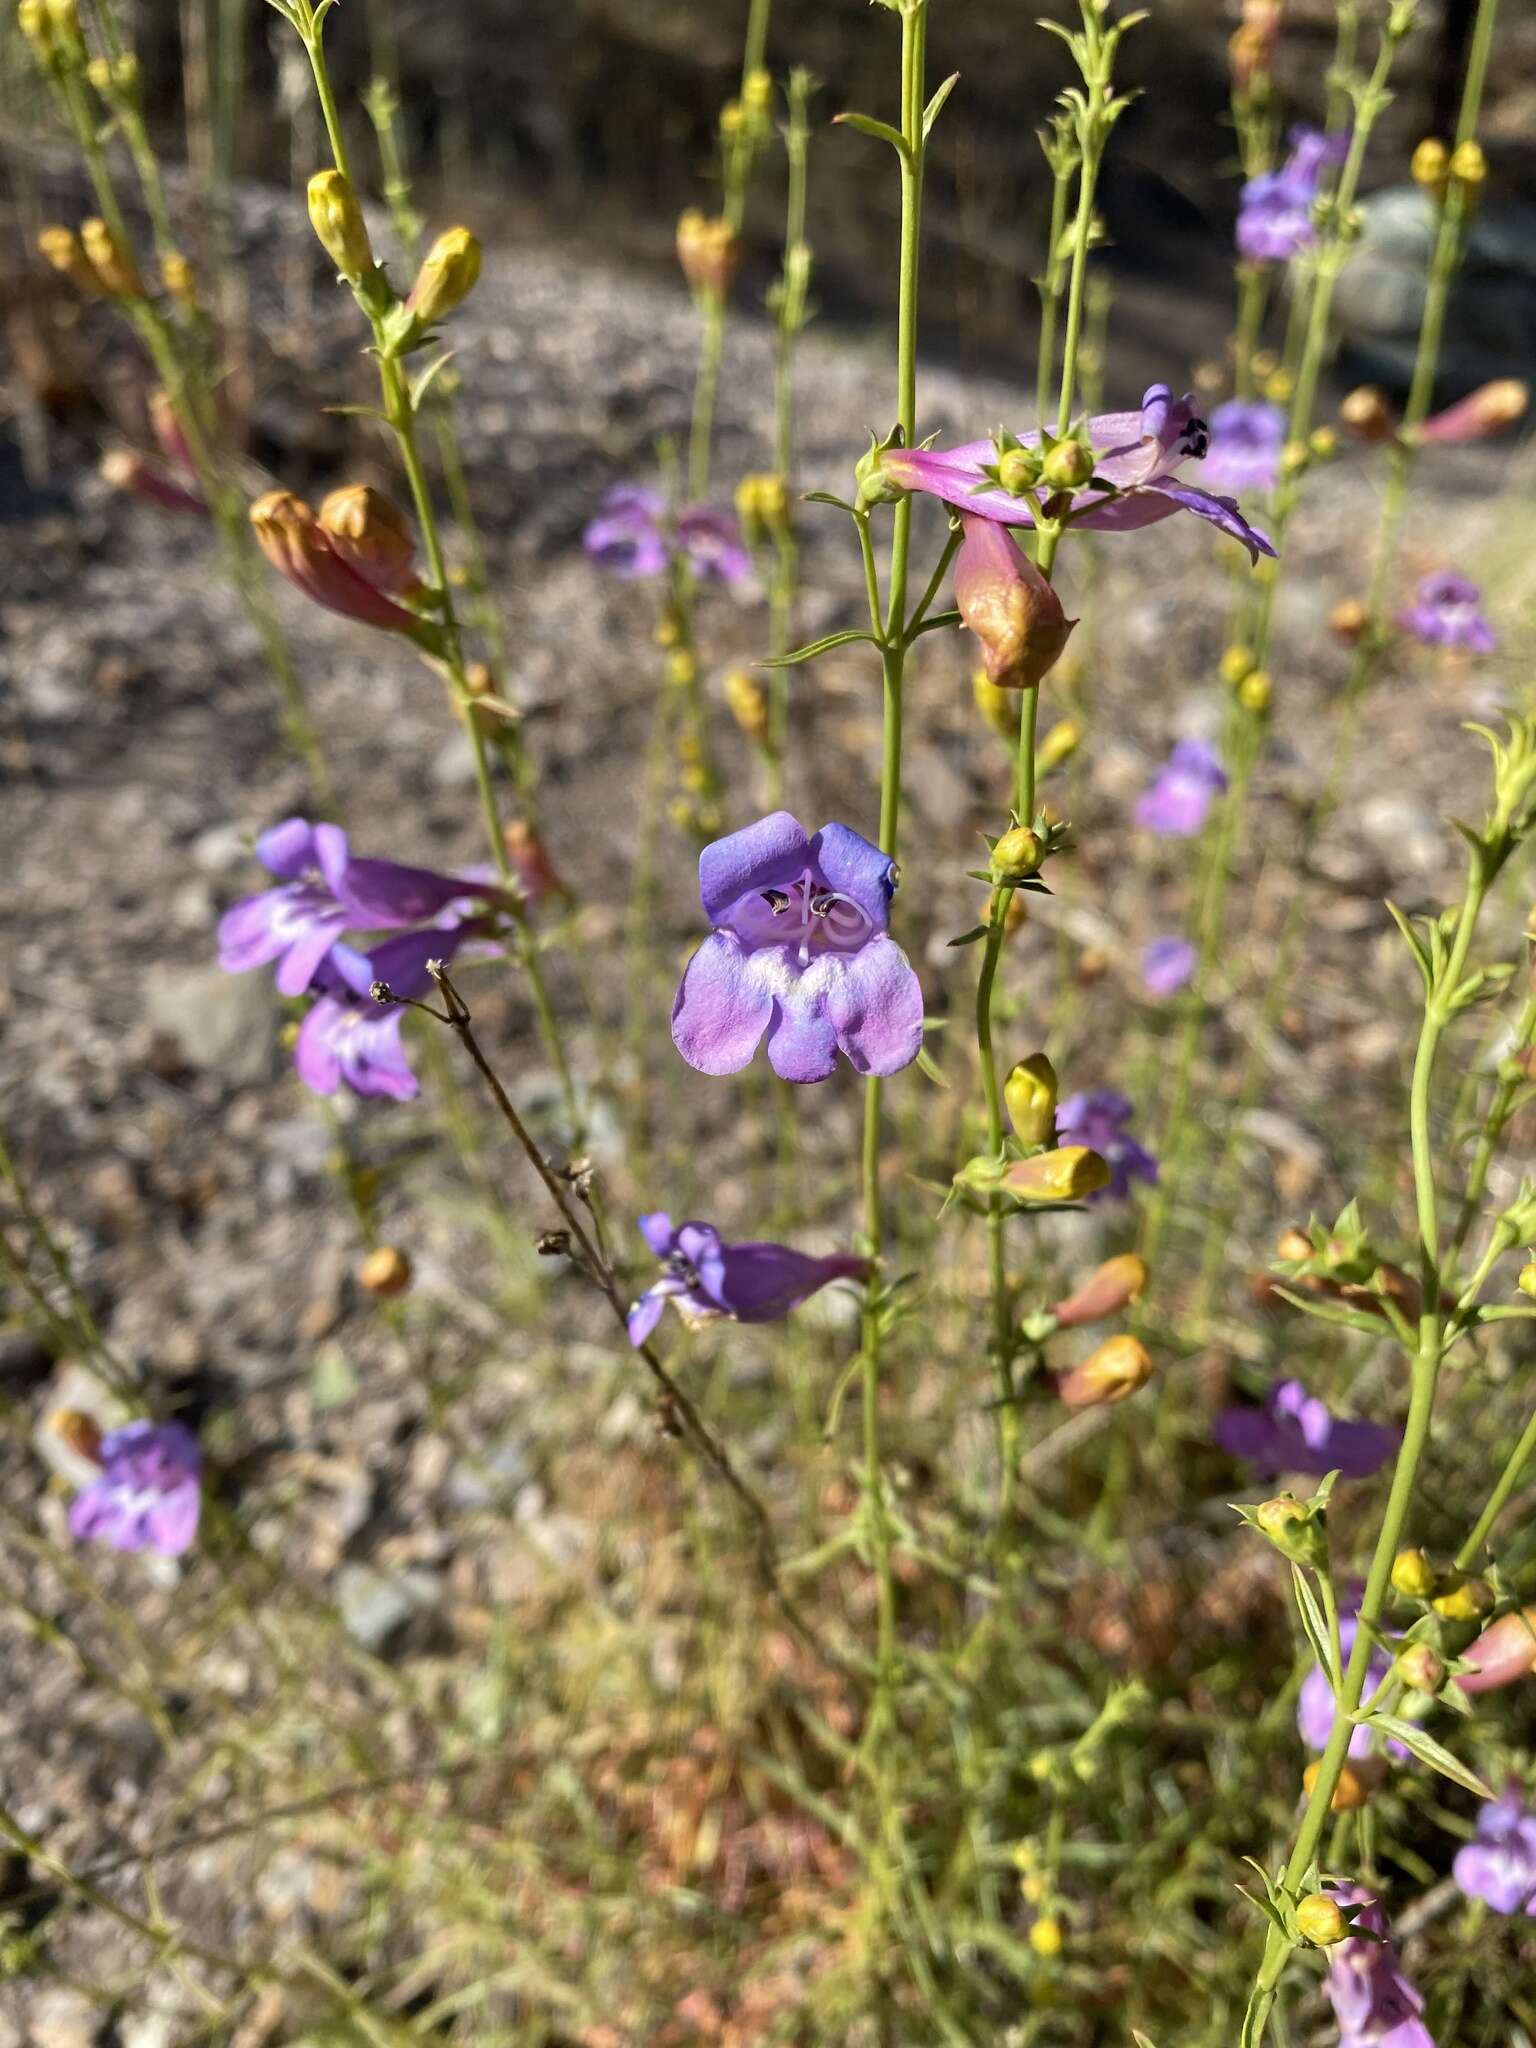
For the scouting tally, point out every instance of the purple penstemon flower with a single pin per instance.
(1247, 435)
(1374, 2003)
(1167, 965)
(752, 1282)
(800, 950)
(633, 536)
(1098, 1120)
(1447, 611)
(1499, 1866)
(149, 1495)
(348, 1038)
(1295, 1431)
(1274, 219)
(1137, 456)
(324, 889)
(1315, 1704)
(1177, 801)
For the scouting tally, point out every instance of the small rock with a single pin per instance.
(224, 1023)
(62, 2018)
(375, 1606)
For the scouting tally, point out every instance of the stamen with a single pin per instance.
(776, 901)
(822, 901)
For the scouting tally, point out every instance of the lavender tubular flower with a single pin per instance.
(1167, 965)
(1315, 1705)
(800, 950)
(1274, 221)
(149, 1495)
(1098, 1120)
(752, 1282)
(1137, 455)
(348, 1039)
(1499, 1866)
(1247, 435)
(1373, 2001)
(1447, 612)
(1178, 800)
(631, 536)
(1295, 1432)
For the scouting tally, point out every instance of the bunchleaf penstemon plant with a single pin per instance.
(357, 557)
(1337, 1276)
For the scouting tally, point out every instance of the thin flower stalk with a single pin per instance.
(402, 410)
(789, 306)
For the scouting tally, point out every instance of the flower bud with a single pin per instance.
(1322, 444)
(1430, 163)
(385, 1272)
(1059, 744)
(61, 247)
(1068, 466)
(1295, 1529)
(1008, 605)
(1045, 1936)
(1031, 1094)
(1320, 1921)
(126, 470)
(1236, 663)
(447, 276)
(99, 74)
(1279, 386)
(531, 861)
(81, 1432)
(757, 90)
(748, 705)
(1502, 1653)
(64, 20)
(1420, 1669)
(1348, 620)
(1019, 470)
(1000, 708)
(1462, 1598)
(1255, 691)
(1293, 1244)
(1527, 1280)
(1482, 413)
(1107, 1290)
(1413, 1575)
(708, 251)
(371, 536)
(1468, 165)
(1368, 414)
(337, 220)
(1016, 855)
(1111, 1373)
(32, 20)
(179, 279)
(1359, 1778)
(114, 266)
(1067, 1175)
(682, 668)
(298, 547)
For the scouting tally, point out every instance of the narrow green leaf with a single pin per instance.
(926, 1064)
(936, 105)
(934, 621)
(969, 938)
(815, 647)
(429, 376)
(1430, 1752)
(1314, 1624)
(882, 131)
(826, 498)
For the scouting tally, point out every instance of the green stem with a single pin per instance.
(1471, 1551)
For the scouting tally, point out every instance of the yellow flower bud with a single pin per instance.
(337, 220)
(99, 72)
(1236, 663)
(1279, 387)
(1068, 466)
(447, 276)
(113, 264)
(1045, 1936)
(1066, 1175)
(1059, 744)
(1323, 443)
(1360, 1777)
(1319, 1920)
(1468, 165)
(747, 703)
(64, 20)
(1368, 413)
(1016, 855)
(999, 707)
(1348, 620)
(1430, 163)
(1413, 1575)
(733, 119)
(708, 251)
(1019, 470)
(1031, 1092)
(1294, 1529)
(179, 279)
(1420, 1669)
(385, 1272)
(1034, 1887)
(1527, 1280)
(61, 247)
(1109, 1374)
(1254, 692)
(1463, 1599)
(682, 669)
(757, 91)
(32, 20)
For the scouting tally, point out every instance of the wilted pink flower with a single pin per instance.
(1006, 602)
(1481, 414)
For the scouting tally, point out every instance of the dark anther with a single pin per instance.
(776, 901)
(576, 1169)
(381, 991)
(1195, 441)
(553, 1244)
(822, 902)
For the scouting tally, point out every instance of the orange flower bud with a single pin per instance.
(371, 536)
(708, 251)
(114, 266)
(1367, 412)
(530, 861)
(1360, 1777)
(61, 247)
(1107, 1290)
(81, 1432)
(1111, 1373)
(1008, 605)
(298, 547)
(385, 1272)
(1348, 620)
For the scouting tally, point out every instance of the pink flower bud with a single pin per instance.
(1502, 1653)
(1008, 605)
(1112, 1287)
(297, 546)
(1482, 413)
(126, 470)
